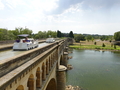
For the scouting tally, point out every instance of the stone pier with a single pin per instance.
(61, 78)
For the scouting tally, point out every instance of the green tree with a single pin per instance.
(1, 34)
(79, 37)
(45, 34)
(27, 31)
(17, 31)
(92, 39)
(102, 37)
(54, 34)
(6, 34)
(95, 43)
(41, 35)
(11, 35)
(51, 33)
(117, 36)
(71, 34)
(89, 37)
(103, 45)
(59, 34)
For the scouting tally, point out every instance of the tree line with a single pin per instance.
(91, 37)
(12, 35)
(88, 37)
(6, 34)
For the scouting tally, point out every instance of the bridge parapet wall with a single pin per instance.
(13, 78)
(9, 64)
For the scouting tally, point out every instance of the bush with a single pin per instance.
(97, 47)
(114, 46)
(95, 43)
(103, 45)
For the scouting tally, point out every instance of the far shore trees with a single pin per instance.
(89, 37)
(79, 37)
(12, 35)
(117, 36)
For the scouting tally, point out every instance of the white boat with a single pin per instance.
(50, 40)
(25, 43)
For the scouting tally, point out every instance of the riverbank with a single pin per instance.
(98, 46)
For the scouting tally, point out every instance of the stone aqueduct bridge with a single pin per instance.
(41, 68)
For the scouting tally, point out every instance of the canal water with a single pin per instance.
(94, 70)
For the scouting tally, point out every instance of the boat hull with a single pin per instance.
(24, 46)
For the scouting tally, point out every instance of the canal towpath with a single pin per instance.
(6, 46)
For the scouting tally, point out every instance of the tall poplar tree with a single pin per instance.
(58, 33)
(71, 34)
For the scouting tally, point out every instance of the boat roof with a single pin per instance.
(23, 35)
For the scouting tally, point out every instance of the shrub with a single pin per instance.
(95, 43)
(103, 45)
(97, 47)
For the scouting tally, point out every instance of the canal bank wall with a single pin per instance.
(7, 42)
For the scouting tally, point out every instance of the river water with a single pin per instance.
(94, 70)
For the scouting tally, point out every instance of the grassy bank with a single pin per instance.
(98, 46)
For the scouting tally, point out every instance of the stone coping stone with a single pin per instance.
(62, 68)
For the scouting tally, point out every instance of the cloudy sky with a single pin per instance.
(79, 16)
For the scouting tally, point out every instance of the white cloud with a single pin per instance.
(64, 15)
(74, 8)
(1, 5)
(14, 3)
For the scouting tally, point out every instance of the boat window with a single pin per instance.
(17, 41)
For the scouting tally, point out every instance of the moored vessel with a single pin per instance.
(25, 43)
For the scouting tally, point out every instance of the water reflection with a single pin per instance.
(94, 70)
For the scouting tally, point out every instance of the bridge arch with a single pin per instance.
(30, 83)
(43, 72)
(61, 60)
(20, 87)
(52, 85)
(52, 59)
(49, 64)
(47, 67)
(38, 78)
